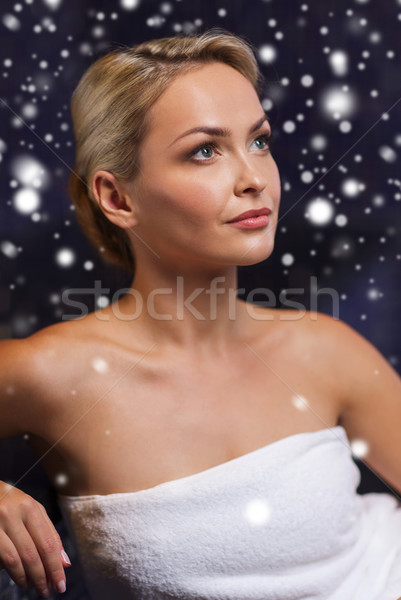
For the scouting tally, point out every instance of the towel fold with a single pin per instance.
(281, 522)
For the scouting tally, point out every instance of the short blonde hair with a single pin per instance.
(109, 110)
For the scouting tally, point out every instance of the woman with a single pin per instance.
(202, 440)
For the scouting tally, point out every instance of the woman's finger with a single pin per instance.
(64, 556)
(11, 561)
(30, 547)
(48, 545)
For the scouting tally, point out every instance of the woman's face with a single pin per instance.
(192, 183)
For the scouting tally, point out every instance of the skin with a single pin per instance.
(175, 396)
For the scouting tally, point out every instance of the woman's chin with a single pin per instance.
(255, 255)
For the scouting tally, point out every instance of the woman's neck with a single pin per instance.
(185, 309)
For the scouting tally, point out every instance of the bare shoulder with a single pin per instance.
(61, 353)
(314, 329)
(338, 348)
(359, 366)
(371, 410)
(19, 384)
(334, 353)
(15, 379)
(303, 347)
(33, 369)
(318, 335)
(367, 386)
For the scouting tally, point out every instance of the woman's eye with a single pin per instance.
(207, 151)
(203, 152)
(262, 142)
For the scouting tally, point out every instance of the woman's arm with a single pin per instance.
(371, 398)
(30, 547)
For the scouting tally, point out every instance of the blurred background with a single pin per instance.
(333, 97)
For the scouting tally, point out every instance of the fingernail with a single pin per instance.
(45, 593)
(65, 557)
(61, 587)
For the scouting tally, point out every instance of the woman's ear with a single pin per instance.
(113, 200)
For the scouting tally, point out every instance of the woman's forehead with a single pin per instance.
(211, 95)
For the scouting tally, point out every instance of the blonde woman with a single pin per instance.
(204, 440)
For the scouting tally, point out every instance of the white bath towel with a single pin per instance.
(281, 523)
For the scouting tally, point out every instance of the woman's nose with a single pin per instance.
(250, 179)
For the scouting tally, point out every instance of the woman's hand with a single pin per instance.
(31, 550)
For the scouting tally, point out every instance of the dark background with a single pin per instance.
(337, 131)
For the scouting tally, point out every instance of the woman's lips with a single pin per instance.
(251, 222)
(252, 219)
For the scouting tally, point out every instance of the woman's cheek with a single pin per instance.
(277, 183)
(196, 198)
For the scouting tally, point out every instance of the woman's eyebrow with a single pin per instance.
(219, 131)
